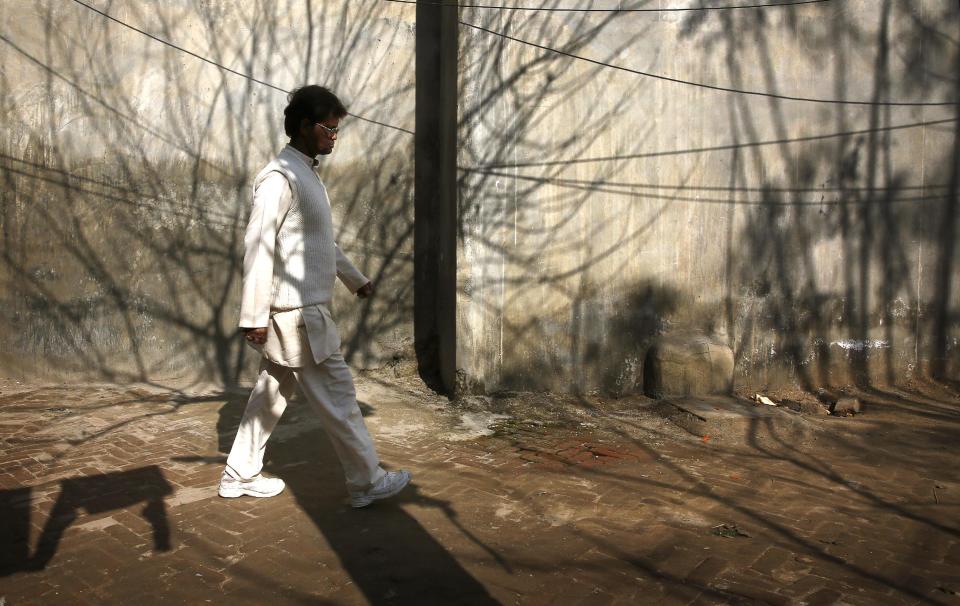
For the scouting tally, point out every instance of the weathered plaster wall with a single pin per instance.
(126, 167)
(600, 208)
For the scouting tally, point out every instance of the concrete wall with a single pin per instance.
(597, 208)
(126, 167)
(600, 208)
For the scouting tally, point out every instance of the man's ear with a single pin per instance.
(305, 125)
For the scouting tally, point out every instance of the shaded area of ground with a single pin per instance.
(108, 496)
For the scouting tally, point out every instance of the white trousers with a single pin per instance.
(329, 389)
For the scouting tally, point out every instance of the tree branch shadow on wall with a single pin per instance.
(828, 247)
(126, 192)
(879, 319)
(509, 104)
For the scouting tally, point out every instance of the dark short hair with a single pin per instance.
(311, 102)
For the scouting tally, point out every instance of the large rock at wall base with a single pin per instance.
(687, 365)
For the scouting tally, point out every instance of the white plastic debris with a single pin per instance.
(764, 400)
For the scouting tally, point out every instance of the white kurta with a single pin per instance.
(289, 264)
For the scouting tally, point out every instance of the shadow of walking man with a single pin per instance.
(388, 554)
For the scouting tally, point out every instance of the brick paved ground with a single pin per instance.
(108, 497)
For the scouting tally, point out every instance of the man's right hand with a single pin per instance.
(257, 336)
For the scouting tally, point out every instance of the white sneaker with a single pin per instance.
(389, 485)
(258, 486)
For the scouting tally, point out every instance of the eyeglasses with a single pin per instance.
(330, 131)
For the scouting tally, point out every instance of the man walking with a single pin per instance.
(290, 265)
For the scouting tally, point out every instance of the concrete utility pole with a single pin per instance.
(435, 195)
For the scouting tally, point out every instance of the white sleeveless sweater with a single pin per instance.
(306, 258)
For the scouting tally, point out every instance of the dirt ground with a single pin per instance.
(108, 496)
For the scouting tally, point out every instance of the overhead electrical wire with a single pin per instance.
(153, 204)
(610, 10)
(712, 148)
(219, 65)
(704, 85)
(631, 186)
(599, 187)
(110, 108)
(593, 61)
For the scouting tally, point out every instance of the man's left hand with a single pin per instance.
(365, 291)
